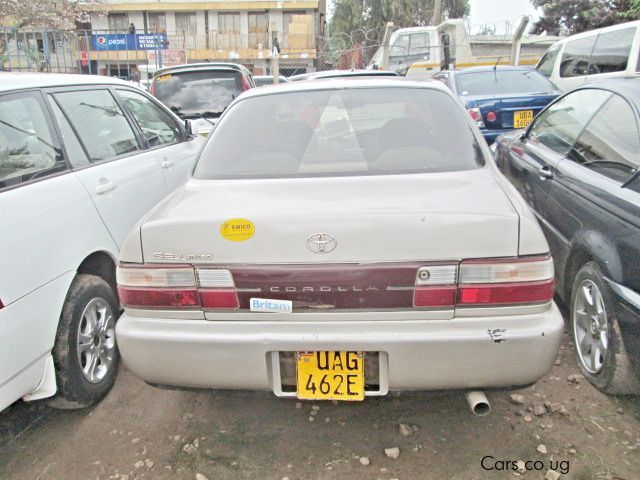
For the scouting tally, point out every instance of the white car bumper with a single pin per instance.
(461, 353)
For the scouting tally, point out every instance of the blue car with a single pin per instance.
(500, 98)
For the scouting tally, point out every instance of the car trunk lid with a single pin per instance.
(391, 218)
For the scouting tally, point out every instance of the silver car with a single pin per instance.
(338, 240)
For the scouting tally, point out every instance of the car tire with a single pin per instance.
(85, 355)
(598, 344)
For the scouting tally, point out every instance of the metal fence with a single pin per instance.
(90, 51)
(120, 54)
(40, 50)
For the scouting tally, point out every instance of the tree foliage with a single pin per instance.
(46, 13)
(574, 16)
(363, 21)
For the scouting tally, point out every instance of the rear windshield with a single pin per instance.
(359, 131)
(503, 82)
(197, 93)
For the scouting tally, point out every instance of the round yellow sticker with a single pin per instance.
(237, 229)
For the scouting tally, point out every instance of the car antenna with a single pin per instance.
(495, 68)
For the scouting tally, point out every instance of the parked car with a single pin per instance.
(200, 92)
(82, 158)
(282, 244)
(342, 74)
(577, 165)
(593, 56)
(264, 80)
(500, 98)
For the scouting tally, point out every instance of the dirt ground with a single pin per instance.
(141, 432)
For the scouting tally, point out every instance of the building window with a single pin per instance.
(229, 22)
(258, 30)
(298, 31)
(157, 22)
(288, 19)
(118, 22)
(185, 22)
(229, 31)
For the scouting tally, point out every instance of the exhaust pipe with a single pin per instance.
(478, 403)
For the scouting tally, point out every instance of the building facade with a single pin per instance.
(132, 35)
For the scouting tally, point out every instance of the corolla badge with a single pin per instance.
(321, 243)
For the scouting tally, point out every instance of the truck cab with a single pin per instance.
(410, 45)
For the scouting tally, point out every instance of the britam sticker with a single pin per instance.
(272, 306)
(237, 229)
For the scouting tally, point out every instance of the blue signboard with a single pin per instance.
(128, 41)
(151, 41)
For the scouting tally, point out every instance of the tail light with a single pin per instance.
(176, 286)
(436, 286)
(492, 116)
(245, 83)
(499, 282)
(493, 282)
(476, 116)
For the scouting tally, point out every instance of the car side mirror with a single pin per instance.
(188, 127)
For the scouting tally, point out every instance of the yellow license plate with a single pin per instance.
(330, 376)
(522, 118)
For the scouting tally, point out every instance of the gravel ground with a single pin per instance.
(141, 432)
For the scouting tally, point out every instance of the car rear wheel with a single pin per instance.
(85, 353)
(598, 344)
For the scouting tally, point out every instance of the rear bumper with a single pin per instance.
(482, 352)
(491, 135)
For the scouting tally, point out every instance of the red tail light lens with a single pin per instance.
(504, 294)
(219, 299)
(476, 115)
(158, 298)
(176, 286)
(245, 83)
(492, 116)
(434, 296)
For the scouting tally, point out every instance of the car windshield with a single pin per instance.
(355, 131)
(503, 82)
(198, 93)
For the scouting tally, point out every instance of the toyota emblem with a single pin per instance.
(321, 243)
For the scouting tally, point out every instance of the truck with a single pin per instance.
(421, 52)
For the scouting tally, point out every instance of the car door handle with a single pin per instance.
(545, 172)
(105, 187)
(168, 164)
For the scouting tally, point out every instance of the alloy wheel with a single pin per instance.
(590, 326)
(96, 340)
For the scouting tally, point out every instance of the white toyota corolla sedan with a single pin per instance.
(339, 239)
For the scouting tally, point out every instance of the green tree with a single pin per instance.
(46, 13)
(574, 16)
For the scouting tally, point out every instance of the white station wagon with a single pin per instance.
(339, 239)
(82, 159)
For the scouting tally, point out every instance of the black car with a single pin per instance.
(578, 167)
